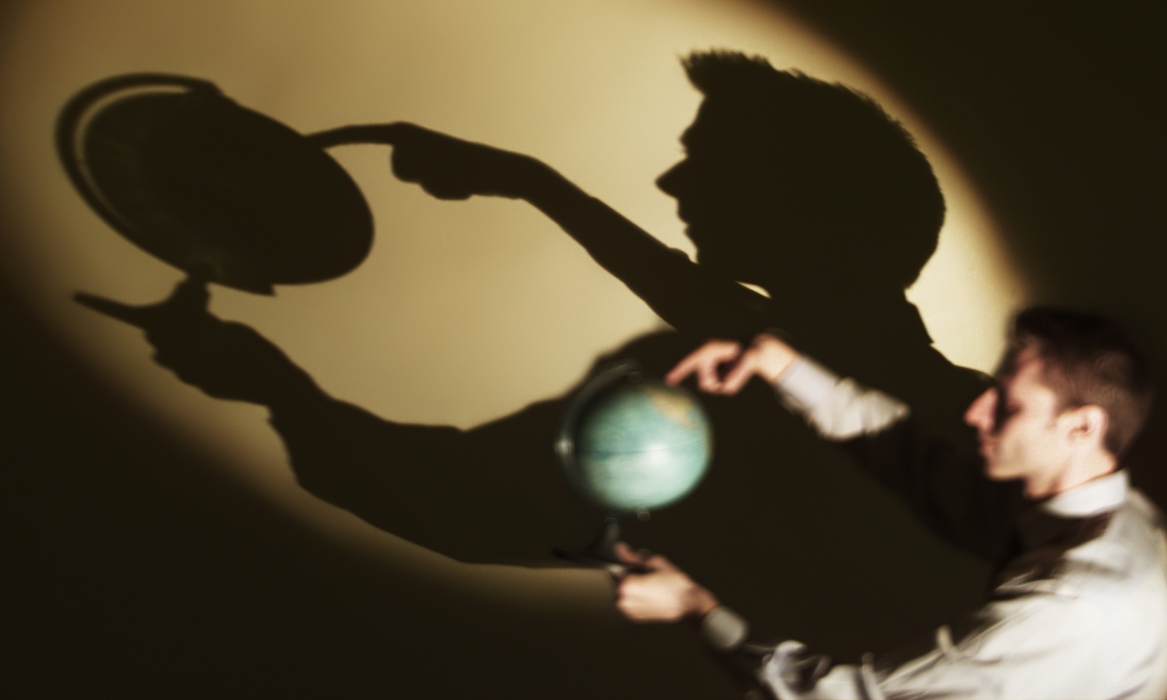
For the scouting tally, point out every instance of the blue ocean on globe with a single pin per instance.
(639, 446)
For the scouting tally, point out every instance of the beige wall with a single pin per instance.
(463, 312)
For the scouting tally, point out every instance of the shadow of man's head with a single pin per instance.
(796, 184)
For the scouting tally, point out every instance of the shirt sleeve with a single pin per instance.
(838, 409)
(1036, 645)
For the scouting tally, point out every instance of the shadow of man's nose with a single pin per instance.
(670, 181)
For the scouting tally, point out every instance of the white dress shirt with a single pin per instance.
(1080, 612)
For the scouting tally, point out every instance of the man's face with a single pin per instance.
(1020, 428)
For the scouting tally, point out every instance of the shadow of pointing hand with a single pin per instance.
(450, 168)
(224, 359)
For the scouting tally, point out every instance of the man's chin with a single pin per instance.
(999, 473)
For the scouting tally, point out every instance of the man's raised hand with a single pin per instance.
(768, 357)
(706, 362)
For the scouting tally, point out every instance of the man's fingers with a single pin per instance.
(658, 596)
(740, 374)
(704, 362)
(682, 371)
(707, 378)
(626, 555)
(691, 363)
(767, 358)
(630, 603)
(657, 562)
(634, 599)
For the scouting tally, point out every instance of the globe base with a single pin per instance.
(601, 553)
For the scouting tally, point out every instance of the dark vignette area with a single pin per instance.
(135, 570)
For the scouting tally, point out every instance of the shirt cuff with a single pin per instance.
(723, 629)
(805, 384)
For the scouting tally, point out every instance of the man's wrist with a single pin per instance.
(702, 602)
(777, 356)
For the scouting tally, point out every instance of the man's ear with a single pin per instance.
(1088, 423)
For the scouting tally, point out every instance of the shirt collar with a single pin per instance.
(1106, 493)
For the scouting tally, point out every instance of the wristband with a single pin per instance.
(723, 629)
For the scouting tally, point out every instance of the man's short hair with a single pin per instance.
(1088, 360)
(856, 171)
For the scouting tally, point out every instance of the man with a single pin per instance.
(1078, 609)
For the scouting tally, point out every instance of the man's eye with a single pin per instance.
(1004, 411)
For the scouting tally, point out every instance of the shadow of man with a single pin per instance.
(803, 188)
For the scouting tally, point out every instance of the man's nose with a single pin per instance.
(980, 411)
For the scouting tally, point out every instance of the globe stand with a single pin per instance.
(601, 553)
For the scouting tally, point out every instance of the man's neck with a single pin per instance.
(1085, 469)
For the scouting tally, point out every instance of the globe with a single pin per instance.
(630, 444)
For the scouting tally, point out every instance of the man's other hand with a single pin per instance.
(450, 168)
(768, 357)
(663, 594)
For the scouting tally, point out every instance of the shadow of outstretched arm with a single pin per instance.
(489, 494)
(686, 295)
